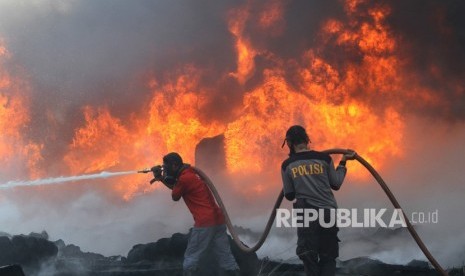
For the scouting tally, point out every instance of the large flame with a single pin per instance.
(245, 52)
(326, 100)
(105, 143)
(338, 102)
(17, 153)
(253, 140)
(176, 121)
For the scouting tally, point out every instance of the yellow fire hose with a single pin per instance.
(269, 224)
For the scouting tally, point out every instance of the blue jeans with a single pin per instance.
(200, 240)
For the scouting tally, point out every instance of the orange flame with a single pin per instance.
(252, 142)
(271, 18)
(105, 143)
(245, 52)
(176, 121)
(99, 145)
(332, 103)
(324, 103)
(17, 154)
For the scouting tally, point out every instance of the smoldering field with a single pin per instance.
(87, 87)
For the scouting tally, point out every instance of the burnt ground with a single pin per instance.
(39, 256)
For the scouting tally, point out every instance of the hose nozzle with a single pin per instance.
(146, 170)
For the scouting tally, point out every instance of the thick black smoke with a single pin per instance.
(433, 43)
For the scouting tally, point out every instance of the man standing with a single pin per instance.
(209, 228)
(309, 176)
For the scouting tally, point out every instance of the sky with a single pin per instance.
(91, 86)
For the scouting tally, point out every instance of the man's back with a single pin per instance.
(198, 199)
(311, 176)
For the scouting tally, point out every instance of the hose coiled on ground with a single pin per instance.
(279, 200)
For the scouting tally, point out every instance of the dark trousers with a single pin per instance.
(317, 247)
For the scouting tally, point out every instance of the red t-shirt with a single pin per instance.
(198, 199)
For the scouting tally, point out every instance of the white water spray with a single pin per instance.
(62, 179)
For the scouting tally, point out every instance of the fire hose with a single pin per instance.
(269, 224)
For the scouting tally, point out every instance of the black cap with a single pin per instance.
(173, 158)
(296, 135)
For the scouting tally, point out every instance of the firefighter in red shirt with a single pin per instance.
(209, 228)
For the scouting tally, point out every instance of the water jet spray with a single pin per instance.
(62, 179)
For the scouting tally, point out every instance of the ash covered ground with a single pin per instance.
(38, 255)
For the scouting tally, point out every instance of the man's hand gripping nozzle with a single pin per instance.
(157, 173)
(146, 170)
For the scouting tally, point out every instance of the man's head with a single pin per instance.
(296, 136)
(172, 162)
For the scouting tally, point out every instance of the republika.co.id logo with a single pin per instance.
(365, 218)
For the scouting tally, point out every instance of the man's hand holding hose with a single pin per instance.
(157, 175)
(348, 156)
